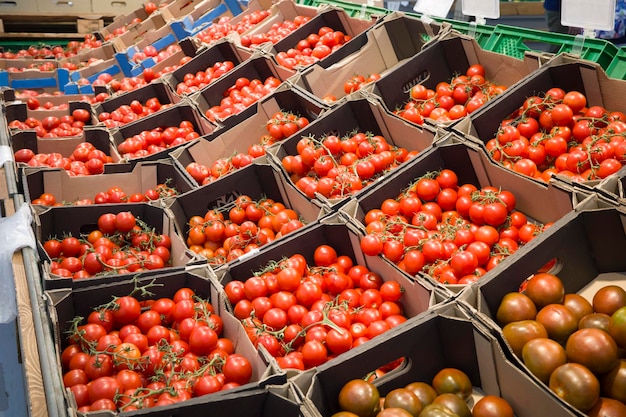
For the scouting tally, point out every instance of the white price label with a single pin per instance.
(599, 14)
(436, 8)
(481, 8)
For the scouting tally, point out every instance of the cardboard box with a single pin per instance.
(252, 6)
(259, 66)
(444, 59)
(542, 204)
(131, 179)
(64, 304)
(106, 63)
(240, 131)
(28, 78)
(160, 38)
(358, 114)
(156, 89)
(564, 72)
(202, 16)
(205, 58)
(338, 232)
(97, 136)
(387, 44)
(447, 336)
(18, 110)
(135, 32)
(258, 181)
(172, 116)
(613, 187)
(280, 12)
(122, 22)
(587, 250)
(180, 8)
(77, 220)
(335, 18)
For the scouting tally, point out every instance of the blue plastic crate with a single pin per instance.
(188, 26)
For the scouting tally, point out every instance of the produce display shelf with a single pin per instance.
(493, 46)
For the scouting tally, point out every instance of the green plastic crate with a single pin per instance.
(480, 32)
(617, 69)
(514, 41)
(352, 9)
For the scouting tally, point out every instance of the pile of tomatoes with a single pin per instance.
(41, 101)
(127, 113)
(276, 32)
(337, 167)
(55, 127)
(46, 67)
(84, 160)
(557, 133)
(113, 195)
(240, 95)
(121, 244)
(132, 354)
(454, 233)
(449, 394)
(450, 100)
(356, 82)
(245, 227)
(314, 47)
(305, 315)
(72, 48)
(224, 26)
(281, 125)
(194, 82)
(569, 343)
(156, 140)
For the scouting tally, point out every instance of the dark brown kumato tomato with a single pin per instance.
(492, 406)
(578, 305)
(595, 321)
(558, 320)
(576, 385)
(394, 412)
(518, 333)
(613, 383)
(452, 381)
(455, 403)
(593, 348)
(344, 414)
(359, 397)
(423, 391)
(405, 399)
(515, 306)
(607, 407)
(608, 299)
(617, 327)
(544, 289)
(437, 410)
(542, 356)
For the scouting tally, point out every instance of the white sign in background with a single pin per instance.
(588, 14)
(433, 8)
(481, 9)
